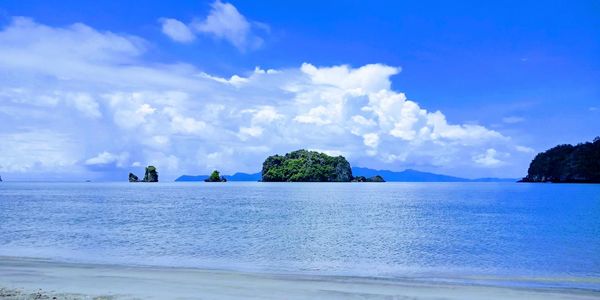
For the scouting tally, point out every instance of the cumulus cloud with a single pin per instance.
(489, 158)
(106, 158)
(36, 150)
(224, 22)
(176, 30)
(103, 104)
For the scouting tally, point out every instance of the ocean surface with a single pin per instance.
(521, 234)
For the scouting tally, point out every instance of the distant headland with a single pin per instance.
(567, 164)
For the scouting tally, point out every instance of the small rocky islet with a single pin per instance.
(151, 175)
(375, 178)
(215, 177)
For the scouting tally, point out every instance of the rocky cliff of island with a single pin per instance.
(151, 175)
(133, 178)
(567, 164)
(306, 166)
(376, 178)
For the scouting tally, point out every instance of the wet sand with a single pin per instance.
(26, 278)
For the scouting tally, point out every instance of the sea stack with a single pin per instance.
(151, 175)
(133, 178)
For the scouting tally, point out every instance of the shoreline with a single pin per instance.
(36, 278)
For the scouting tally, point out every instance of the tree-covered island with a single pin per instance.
(309, 166)
(567, 164)
(215, 177)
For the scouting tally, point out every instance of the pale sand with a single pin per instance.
(24, 278)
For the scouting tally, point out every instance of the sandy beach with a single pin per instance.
(27, 278)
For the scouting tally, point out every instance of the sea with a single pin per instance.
(491, 233)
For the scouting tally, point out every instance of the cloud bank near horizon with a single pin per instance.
(83, 101)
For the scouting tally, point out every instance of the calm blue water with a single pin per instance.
(437, 230)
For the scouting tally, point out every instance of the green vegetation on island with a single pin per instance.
(303, 165)
(215, 177)
(309, 166)
(151, 175)
(567, 164)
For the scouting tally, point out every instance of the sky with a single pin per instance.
(96, 89)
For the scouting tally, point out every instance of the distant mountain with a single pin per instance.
(191, 178)
(244, 177)
(235, 177)
(407, 175)
(410, 175)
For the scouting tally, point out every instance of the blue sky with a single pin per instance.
(98, 88)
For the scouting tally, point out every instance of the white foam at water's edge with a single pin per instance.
(432, 275)
(49, 279)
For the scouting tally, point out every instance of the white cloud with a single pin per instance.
(185, 121)
(261, 116)
(265, 115)
(36, 150)
(176, 30)
(105, 158)
(246, 132)
(85, 104)
(368, 78)
(488, 159)
(234, 80)
(80, 101)
(361, 120)
(330, 152)
(317, 115)
(524, 149)
(224, 22)
(371, 140)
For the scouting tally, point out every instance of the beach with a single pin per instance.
(29, 278)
